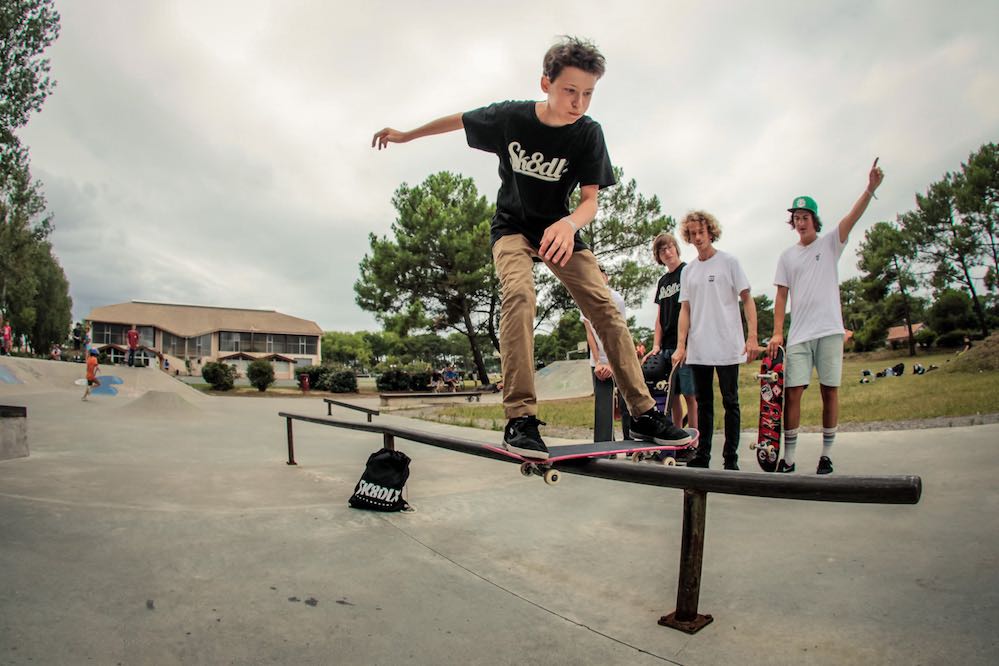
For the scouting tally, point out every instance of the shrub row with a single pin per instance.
(328, 378)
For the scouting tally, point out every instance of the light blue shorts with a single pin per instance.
(823, 354)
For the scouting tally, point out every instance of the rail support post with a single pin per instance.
(291, 444)
(685, 617)
(388, 441)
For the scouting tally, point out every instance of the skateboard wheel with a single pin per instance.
(636, 456)
(525, 469)
(752, 446)
(551, 477)
(669, 462)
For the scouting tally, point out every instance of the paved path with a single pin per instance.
(177, 535)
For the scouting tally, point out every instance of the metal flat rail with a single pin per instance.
(838, 488)
(695, 483)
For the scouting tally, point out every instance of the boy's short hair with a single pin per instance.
(697, 216)
(661, 241)
(573, 52)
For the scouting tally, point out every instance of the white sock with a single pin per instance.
(828, 437)
(790, 442)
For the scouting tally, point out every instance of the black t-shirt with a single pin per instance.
(539, 166)
(668, 300)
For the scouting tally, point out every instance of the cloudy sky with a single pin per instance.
(218, 153)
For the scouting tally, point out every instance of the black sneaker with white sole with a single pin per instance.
(654, 426)
(521, 436)
(825, 465)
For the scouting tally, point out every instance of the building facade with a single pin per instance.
(182, 338)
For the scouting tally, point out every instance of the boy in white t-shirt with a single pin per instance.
(710, 337)
(808, 273)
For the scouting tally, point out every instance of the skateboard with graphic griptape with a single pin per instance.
(767, 445)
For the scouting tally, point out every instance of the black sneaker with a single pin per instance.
(522, 437)
(653, 426)
(825, 466)
(784, 468)
(732, 465)
(698, 462)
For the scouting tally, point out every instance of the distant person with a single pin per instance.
(56, 353)
(710, 336)
(666, 252)
(449, 377)
(967, 344)
(77, 336)
(8, 338)
(603, 374)
(808, 277)
(546, 149)
(92, 371)
(133, 345)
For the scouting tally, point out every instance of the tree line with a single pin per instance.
(34, 291)
(937, 264)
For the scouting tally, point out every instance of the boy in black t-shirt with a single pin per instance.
(545, 150)
(666, 252)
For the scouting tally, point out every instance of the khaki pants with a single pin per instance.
(513, 258)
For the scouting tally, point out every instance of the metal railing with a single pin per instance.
(695, 483)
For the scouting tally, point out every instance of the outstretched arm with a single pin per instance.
(874, 179)
(384, 137)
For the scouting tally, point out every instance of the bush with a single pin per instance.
(926, 337)
(220, 376)
(951, 339)
(261, 374)
(419, 381)
(393, 380)
(343, 381)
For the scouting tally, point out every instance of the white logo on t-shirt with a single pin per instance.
(535, 165)
(669, 291)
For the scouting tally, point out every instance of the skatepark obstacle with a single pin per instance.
(695, 483)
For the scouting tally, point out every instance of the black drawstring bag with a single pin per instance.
(381, 485)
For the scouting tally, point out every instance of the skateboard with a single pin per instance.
(564, 452)
(767, 444)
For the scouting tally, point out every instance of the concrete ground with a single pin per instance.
(162, 526)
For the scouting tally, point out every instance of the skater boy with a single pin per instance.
(808, 275)
(545, 150)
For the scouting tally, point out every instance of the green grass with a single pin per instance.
(938, 393)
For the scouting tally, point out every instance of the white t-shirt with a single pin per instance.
(601, 355)
(811, 274)
(712, 289)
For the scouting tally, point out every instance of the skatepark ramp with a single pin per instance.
(695, 483)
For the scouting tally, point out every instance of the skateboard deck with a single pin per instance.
(768, 436)
(558, 453)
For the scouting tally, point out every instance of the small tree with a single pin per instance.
(220, 376)
(261, 374)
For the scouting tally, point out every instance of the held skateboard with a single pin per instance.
(767, 444)
(564, 452)
(675, 454)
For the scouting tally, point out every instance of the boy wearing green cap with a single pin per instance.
(808, 274)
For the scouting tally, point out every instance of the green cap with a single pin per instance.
(804, 203)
